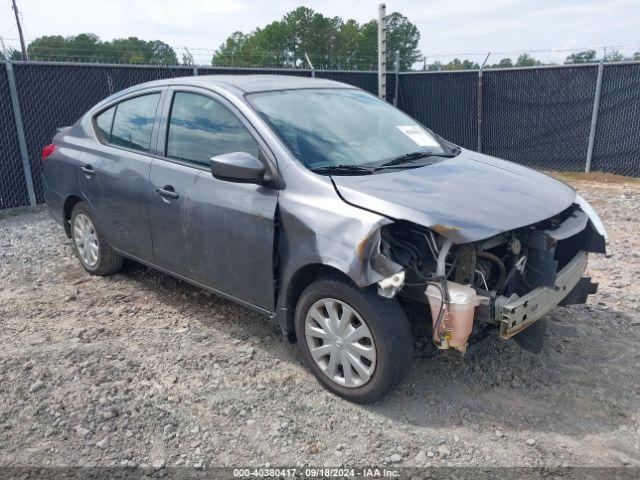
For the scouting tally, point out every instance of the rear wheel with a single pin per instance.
(91, 248)
(358, 344)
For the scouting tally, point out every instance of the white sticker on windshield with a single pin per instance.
(418, 135)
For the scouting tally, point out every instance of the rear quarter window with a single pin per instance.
(104, 122)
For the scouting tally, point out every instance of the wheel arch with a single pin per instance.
(298, 282)
(69, 202)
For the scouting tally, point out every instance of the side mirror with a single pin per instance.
(238, 167)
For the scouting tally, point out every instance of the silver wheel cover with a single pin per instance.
(85, 240)
(340, 342)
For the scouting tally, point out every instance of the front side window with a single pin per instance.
(133, 122)
(201, 127)
(342, 127)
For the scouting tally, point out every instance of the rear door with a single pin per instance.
(114, 171)
(215, 232)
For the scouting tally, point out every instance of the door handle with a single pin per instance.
(167, 192)
(88, 170)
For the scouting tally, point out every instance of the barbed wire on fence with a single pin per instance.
(197, 56)
(206, 56)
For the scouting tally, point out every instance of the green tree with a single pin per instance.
(162, 53)
(403, 36)
(348, 43)
(588, 56)
(614, 56)
(230, 50)
(526, 60)
(89, 48)
(504, 63)
(434, 67)
(51, 47)
(137, 51)
(457, 64)
(368, 47)
(187, 58)
(11, 54)
(329, 42)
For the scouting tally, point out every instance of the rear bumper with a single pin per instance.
(518, 314)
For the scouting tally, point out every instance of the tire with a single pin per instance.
(390, 336)
(105, 261)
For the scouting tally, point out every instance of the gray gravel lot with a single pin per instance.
(140, 369)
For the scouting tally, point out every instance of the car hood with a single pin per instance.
(466, 198)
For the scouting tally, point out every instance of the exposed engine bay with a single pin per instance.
(503, 284)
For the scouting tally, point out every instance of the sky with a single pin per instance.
(548, 29)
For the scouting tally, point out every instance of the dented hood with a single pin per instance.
(467, 198)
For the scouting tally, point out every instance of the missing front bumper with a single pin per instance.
(518, 314)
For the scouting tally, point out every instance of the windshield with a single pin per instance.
(342, 127)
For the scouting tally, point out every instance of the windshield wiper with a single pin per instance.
(343, 169)
(409, 157)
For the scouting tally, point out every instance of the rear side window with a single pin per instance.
(201, 127)
(130, 123)
(104, 121)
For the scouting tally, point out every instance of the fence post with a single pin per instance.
(313, 70)
(480, 102)
(26, 166)
(395, 86)
(382, 51)
(195, 70)
(594, 117)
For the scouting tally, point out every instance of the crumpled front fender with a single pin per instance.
(330, 233)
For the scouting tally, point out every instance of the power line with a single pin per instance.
(22, 44)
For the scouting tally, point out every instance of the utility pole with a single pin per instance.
(382, 51)
(17, 14)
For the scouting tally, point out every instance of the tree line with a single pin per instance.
(300, 36)
(328, 42)
(87, 47)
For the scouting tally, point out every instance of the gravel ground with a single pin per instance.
(140, 369)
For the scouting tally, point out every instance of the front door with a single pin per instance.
(217, 233)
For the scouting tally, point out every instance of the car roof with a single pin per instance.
(236, 85)
(250, 83)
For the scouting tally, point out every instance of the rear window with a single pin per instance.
(129, 124)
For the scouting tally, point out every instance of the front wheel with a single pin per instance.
(90, 246)
(358, 344)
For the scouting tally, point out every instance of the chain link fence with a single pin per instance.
(446, 102)
(617, 146)
(539, 117)
(13, 185)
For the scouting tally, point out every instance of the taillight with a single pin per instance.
(48, 150)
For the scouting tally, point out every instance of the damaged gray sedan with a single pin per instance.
(319, 205)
